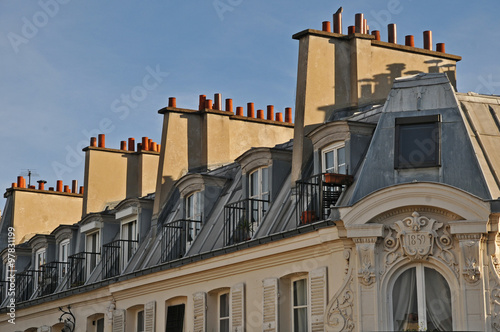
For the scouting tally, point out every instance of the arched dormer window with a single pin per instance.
(421, 300)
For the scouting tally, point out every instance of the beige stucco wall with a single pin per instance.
(113, 175)
(40, 212)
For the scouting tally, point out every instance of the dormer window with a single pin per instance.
(334, 160)
(259, 195)
(417, 142)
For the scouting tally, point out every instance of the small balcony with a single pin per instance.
(177, 237)
(242, 219)
(27, 283)
(317, 194)
(52, 276)
(80, 267)
(116, 255)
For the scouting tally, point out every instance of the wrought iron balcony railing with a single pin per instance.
(4, 289)
(317, 194)
(116, 255)
(27, 283)
(177, 237)
(242, 219)
(80, 267)
(52, 276)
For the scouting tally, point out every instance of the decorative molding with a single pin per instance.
(470, 244)
(416, 238)
(495, 293)
(339, 316)
(405, 210)
(366, 260)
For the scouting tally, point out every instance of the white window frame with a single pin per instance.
(97, 250)
(125, 255)
(332, 148)
(260, 194)
(219, 314)
(194, 211)
(40, 260)
(63, 268)
(307, 305)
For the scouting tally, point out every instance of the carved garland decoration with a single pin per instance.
(339, 316)
(416, 238)
(495, 293)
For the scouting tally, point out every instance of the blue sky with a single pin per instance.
(67, 66)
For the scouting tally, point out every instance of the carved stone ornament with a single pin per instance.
(470, 246)
(495, 293)
(339, 316)
(416, 238)
(366, 260)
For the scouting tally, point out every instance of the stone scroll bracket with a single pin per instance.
(471, 236)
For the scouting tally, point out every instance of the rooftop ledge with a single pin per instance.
(231, 115)
(378, 43)
(119, 151)
(9, 191)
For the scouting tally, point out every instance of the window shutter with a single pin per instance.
(318, 284)
(270, 305)
(119, 321)
(238, 308)
(150, 316)
(200, 321)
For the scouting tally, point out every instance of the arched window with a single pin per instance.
(421, 300)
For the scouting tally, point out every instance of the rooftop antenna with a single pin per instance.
(29, 172)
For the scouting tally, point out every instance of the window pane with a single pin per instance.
(140, 321)
(265, 180)
(418, 144)
(224, 305)
(300, 320)
(100, 325)
(329, 166)
(224, 325)
(437, 301)
(175, 318)
(341, 160)
(404, 301)
(254, 184)
(300, 292)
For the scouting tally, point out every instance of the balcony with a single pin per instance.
(80, 267)
(116, 255)
(242, 219)
(27, 283)
(52, 276)
(177, 237)
(317, 194)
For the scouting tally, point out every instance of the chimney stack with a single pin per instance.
(229, 105)
(270, 112)
(202, 102)
(337, 22)
(250, 110)
(218, 101)
(327, 26)
(172, 102)
(360, 21)
(392, 33)
(428, 40)
(41, 184)
(102, 141)
(410, 41)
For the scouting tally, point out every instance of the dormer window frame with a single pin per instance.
(338, 166)
(193, 214)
